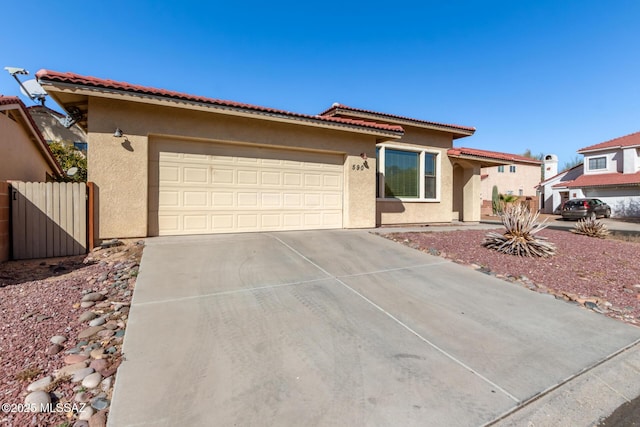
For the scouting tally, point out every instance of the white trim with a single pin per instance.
(381, 164)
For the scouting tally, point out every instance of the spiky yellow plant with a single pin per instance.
(591, 227)
(520, 237)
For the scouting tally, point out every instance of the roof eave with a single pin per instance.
(77, 89)
(485, 162)
(456, 132)
(39, 141)
(615, 147)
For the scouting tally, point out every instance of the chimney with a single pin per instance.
(550, 166)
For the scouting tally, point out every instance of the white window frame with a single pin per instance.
(595, 159)
(421, 172)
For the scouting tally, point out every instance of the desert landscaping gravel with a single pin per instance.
(601, 274)
(61, 332)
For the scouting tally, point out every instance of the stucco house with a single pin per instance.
(610, 172)
(25, 154)
(553, 191)
(185, 164)
(48, 122)
(513, 175)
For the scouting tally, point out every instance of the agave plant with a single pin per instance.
(591, 227)
(520, 237)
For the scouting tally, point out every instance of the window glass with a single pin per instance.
(429, 176)
(598, 163)
(401, 173)
(512, 169)
(500, 169)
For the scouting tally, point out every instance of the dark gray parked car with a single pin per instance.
(585, 208)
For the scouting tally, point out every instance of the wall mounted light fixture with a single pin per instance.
(118, 133)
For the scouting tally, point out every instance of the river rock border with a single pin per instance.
(92, 357)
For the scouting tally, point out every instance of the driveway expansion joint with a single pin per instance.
(404, 325)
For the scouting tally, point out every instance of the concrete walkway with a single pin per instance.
(347, 328)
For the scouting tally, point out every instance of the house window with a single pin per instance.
(401, 174)
(500, 169)
(407, 173)
(512, 168)
(429, 176)
(598, 163)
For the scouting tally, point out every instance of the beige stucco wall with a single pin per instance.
(526, 177)
(119, 166)
(21, 160)
(409, 212)
(53, 130)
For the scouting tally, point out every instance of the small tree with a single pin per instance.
(495, 200)
(69, 157)
(572, 163)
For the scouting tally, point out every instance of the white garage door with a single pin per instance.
(198, 188)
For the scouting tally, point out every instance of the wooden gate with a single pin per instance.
(49, 219)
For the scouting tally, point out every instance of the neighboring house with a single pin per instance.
(25, 154)
(518, 176)
(610, 172)
(48, 121)
(553, 191)
(192, 165)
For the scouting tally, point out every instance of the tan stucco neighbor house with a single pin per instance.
(515, 175)
(184, 164)
(25, 156)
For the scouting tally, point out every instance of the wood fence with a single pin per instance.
(5, 232)
(49, 219)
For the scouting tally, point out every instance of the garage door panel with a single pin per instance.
(192, 175)
(213, 188)
(247, 177)
(222, 176)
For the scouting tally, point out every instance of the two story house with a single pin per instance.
(610, 172)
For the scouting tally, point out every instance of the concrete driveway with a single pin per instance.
(347, 328)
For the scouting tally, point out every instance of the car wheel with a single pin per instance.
(607, 214)
(592, 216)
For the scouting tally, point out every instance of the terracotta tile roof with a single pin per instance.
(335, 107)
(631, 140)
(494, 155)
(14, 100)
(79, 80)
(605, 180)
(560, 173)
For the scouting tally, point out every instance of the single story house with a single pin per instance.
(25, 154)
(610, 172)
(169, 163)
(25, 157)
(48, 122)
(517, 176)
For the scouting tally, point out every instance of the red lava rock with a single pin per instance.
(29, 290)
(111, 369)
(53, 349)
(106, 333)
(99, 419)
(74, 358)
(99, 365)
(582, 265)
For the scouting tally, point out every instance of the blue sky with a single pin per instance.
(551, 76)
